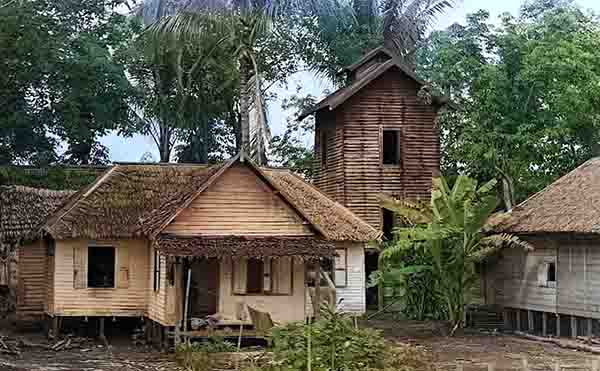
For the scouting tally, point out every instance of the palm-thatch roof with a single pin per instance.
(139, 200)
(569, 205)
(23, 210)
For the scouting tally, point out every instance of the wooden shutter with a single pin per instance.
(268, 275)
(122, 267)
(542, 274)
(80, 267)
(240, 273)
(341, 268)
(282, 275)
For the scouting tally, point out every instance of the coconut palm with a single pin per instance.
(243, 23)
(452, 229)
(403, 23)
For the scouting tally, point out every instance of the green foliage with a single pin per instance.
(334, 345)
(60, 78)
(528, 91)
(56, 178)
(199, 356)
(452, 241)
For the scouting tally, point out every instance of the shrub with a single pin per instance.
(334, 345)
(198, 356)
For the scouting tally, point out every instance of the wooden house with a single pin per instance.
(169, 242)
(23, 210)
(377, 135)
(554, 289)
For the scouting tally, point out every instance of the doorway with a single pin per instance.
(204, 287)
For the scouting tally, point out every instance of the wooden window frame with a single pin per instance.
(543, 270)
(115, 266)
(156, 271)
(345, 269)
(263, 293)
(400, 135)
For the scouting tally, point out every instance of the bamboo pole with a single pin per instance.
(318, 290)
(187, 302)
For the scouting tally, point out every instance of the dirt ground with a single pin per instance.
(473, 351)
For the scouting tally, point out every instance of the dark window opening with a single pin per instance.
(156, 270)
(255, 276)
(391, 147)
(551, 275)
(324, 149)
(101, 267)
(387, 225)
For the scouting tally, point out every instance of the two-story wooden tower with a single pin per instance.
(377, 135)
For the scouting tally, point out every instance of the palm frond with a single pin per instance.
(506, 240)
(416, 212)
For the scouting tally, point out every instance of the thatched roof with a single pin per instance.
(23, 210)
(139, 200)
(569, 205)
(128, 201)
(238, 246)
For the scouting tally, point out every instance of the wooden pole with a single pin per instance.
(518, 319)
(55, 327)
(557, 325)
(187, 300)
(544, 323)
(318, 289)
(530, 324)
(101, 334)
(589, 327)
(573, 326)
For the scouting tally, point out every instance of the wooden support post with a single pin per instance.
(544, 324)
(557, 325)
(318, 289)
(530, 323)
(148, 330)
(55, 328)
(506, 319)
(187, 300)
(101, 334)
(573, 326)
(589, 327)
(518, 319)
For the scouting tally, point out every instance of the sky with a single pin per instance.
(133, 148)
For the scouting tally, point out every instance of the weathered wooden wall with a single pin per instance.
(283, 308)
(512, 280)
(354, 175)
(254, 210)
(157, 300)
(32, 280)
(353, 294)
(118, 301)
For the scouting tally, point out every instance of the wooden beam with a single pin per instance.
(518, 319)
(589, 327)
(530, 322)
(506, 319)
(318, 289)
(544, 323)
(187, 300)
(557, 325)
(573, 326)
(101, 334)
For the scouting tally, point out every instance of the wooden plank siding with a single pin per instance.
(354, 175)
(511, 280)
(70, 301)
(254, 210)
(31, 287)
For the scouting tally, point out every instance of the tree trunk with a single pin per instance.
(245, 67)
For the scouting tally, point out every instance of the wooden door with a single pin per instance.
(204, 292)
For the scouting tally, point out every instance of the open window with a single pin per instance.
(340, 276)
(547, 274)
(101, 267)
(268, 276)
(387, 224)
(390, 147)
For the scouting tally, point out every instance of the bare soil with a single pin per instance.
(474, 351)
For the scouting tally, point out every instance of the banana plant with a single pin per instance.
(452, 229)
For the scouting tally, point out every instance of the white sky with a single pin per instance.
(132, 149)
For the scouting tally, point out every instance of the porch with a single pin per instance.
(216, 282)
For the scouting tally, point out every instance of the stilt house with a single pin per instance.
(553, 289)
(377, 135)
(151, 241)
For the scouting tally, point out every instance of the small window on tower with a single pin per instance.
(387, 224)
(324, 149)
(391, 147)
